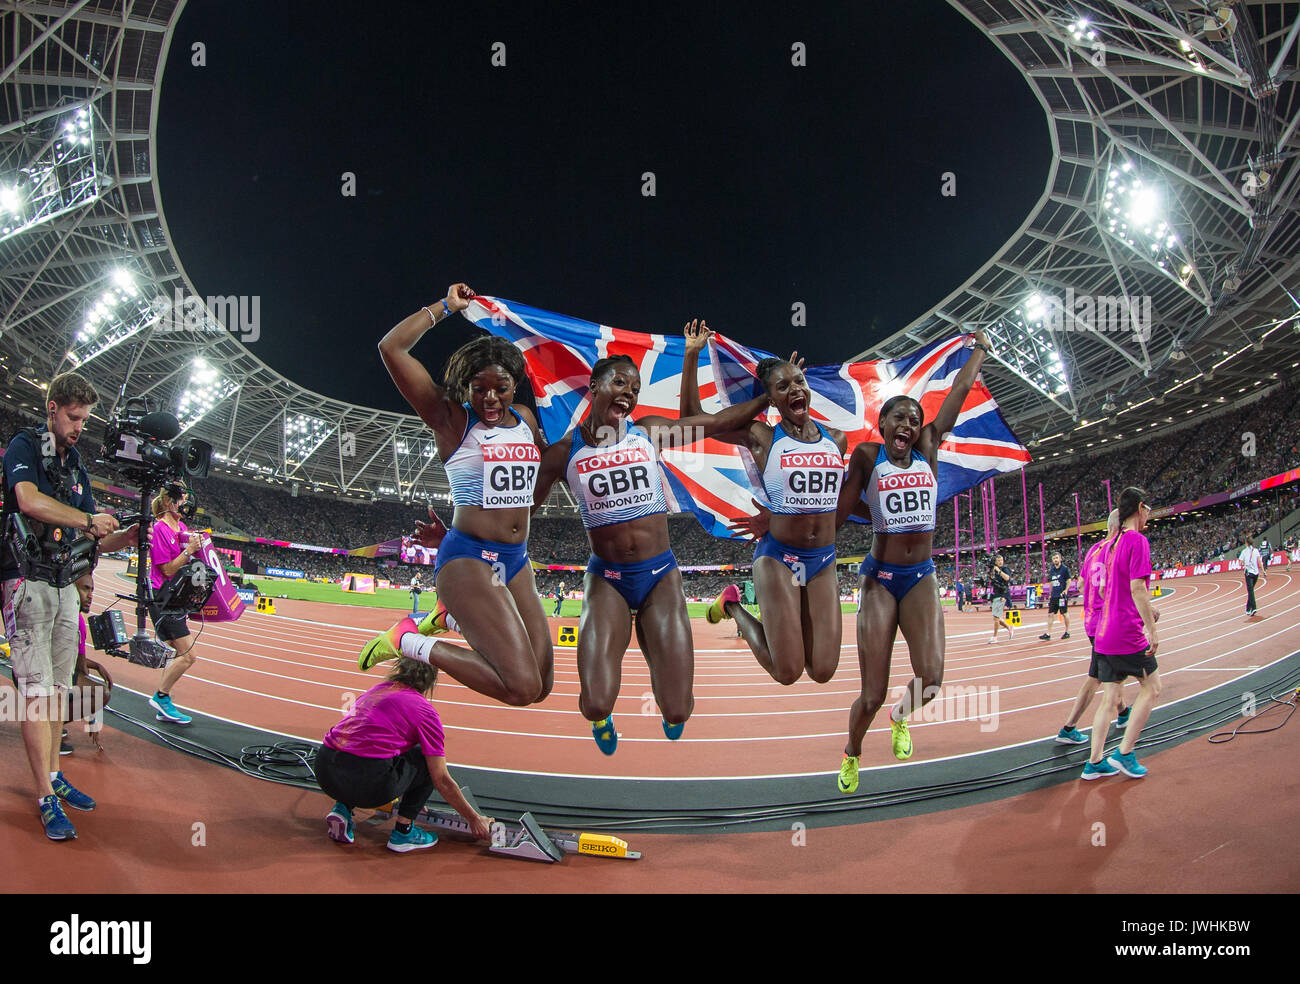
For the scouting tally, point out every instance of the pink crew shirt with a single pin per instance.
(388, 720)
(165, 545)
(1090, 575)
(1120, 630)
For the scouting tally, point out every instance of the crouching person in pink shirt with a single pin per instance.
(390, 746)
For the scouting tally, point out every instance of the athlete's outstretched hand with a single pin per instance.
(795, 361)
(753, 527)
(697, 335)
(430, 534)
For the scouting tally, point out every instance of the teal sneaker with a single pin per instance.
(1071, 736)
(74, 797)
(167, 711)
(56, 823)
(1121, 722)
(417, 839)
(605, 734)
(1128, 764)
(1099, 771)
(339, 825)
(673, 731)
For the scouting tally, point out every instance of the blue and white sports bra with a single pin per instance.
(902, 500)
(803, 476)
(618, 483)
(494, 467)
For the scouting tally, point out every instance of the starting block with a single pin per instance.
(1013, 616)
(265, 604)
(567, 635)
(525, 839)
(1156, 592)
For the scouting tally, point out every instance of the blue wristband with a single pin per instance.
(444, 306)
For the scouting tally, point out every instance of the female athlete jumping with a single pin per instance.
(801, 464)
(611, 464)
(489, 446)
(897, 480)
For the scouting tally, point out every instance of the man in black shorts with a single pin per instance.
(1057, 604)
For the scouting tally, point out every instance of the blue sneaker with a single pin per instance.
(74, 797)
(673, 731)
(1071, 736)
(339, 824)
(605, 735)
(1121, 722)
(417, 839)
(56, 823)
(167, 711)
(1128, 764)
(1099, 771)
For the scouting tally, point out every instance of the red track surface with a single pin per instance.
(1210, 818)
(292, 672)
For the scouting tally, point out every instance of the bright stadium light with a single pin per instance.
(303, 435)
(207, 388)
(1134, 211)
(52, 170)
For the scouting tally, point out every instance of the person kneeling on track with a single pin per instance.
(390, 745)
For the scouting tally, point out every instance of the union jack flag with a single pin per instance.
(716, 481)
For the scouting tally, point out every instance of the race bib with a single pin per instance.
(908, 498)
(509, 475)
(614, 480)
(811, 480)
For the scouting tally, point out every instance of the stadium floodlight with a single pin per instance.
(208, 387)
(53, 170)
(1135, 210)
(303, 435)
(115, 315)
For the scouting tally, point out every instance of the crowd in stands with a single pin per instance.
(1178, 466)
(1187, 464)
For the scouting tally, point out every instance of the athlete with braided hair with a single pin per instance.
(489, 445)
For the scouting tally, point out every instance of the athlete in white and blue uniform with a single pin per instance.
(489, 446)
(611, 466)
(801, 469)
(896, 478)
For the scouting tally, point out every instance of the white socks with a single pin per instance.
(416, 646)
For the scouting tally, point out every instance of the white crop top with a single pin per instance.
(803, 476)
(902, 500)
(617, 483)
(494, 467)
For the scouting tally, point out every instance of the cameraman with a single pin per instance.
(46, 482)
(999, 595)
(171, 547)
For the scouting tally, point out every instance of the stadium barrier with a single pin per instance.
(361, 583)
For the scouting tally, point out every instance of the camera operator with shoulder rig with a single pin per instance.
(48, 506)
(171, 547)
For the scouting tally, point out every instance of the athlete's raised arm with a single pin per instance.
(426, 397)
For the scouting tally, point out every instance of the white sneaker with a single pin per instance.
(993, 639)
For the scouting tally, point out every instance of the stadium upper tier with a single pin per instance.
(1171, 201)
(1175, 462)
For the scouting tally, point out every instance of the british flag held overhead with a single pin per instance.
(715, 480)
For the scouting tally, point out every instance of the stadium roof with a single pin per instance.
(1173, 188)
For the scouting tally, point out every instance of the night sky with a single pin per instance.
(775, 184)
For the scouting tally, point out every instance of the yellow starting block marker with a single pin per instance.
(1013, 616)
(567, 635)
(265, 604)
(603, 845)
(1156, 592)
